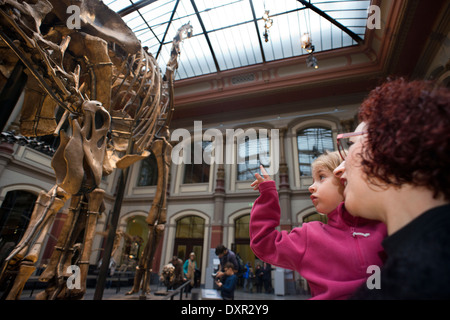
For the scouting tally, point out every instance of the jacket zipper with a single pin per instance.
(358, 248)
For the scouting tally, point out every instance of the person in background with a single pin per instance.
(228, 286)
(178, 264)
(189, 267)
(267, 278)
(258, 278)
(248, 278)
(225, 255)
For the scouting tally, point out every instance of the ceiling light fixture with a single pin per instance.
(307, 43)
(311, 61)
(267, 24)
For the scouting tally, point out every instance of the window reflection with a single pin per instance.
(242, 227)
(148, 174)
(198, 170)
(251, 154)
(15, 214)
(190, 227)
(311, 143)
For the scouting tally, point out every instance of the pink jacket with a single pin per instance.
(332, 257)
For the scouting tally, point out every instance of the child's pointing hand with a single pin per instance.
(259, 179)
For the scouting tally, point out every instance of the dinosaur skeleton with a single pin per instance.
(129, 114)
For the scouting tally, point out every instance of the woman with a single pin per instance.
(398, 171)
(189, 270)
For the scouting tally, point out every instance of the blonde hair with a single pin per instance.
(328, 160)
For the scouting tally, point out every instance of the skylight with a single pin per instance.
(228, 34)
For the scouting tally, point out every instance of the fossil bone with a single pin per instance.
(71, 69)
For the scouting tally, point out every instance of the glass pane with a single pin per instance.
(251, 154)
(246, 253)
(181, 251)
(236, 46)
(224, 13)
(198, 250)
(183, 228)
(117, 5)
(15, 215)
(190, 227)
(148, 174)
(137, 228)
(233, 34)
(198, 170)
(311, 143)
(242, 227)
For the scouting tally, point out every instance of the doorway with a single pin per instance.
(242, 240)
(189, 238)
(15, 214)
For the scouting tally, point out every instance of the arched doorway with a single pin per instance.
(189, 238)
(242, 239)
(15, 214)
(137, 230)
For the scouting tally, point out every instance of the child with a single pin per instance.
(332, 257)
(228, 286)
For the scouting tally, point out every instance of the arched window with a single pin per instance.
(311, 143)
(252, 153)
(148, 174)
(15, 214)
(198, 170)
(189, 238)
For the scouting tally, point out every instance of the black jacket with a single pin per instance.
(418, 260)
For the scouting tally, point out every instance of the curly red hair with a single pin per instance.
(408, 135)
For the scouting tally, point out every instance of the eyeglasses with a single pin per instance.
(344, 143)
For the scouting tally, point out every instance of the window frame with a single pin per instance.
(179, 171)
(203, 164)
(244, 185)
(139, 171)
(303, 182)
(308, 153)
(258, 160)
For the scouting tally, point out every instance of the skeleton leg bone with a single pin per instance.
(27, 265)
(47, 205)
(62, 244)
(161, 149)
(156, 218)
(95, 201)
(154, 237)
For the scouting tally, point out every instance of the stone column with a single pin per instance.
(219, 204)
(284, 189)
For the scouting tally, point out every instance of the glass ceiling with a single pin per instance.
(228, 34)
